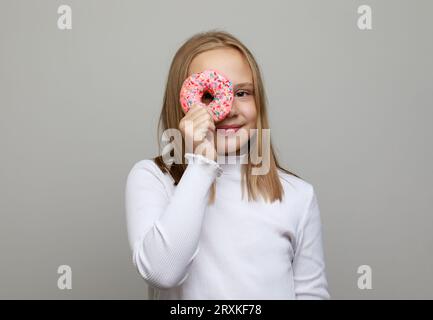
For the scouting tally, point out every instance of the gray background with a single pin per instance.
(350, 112)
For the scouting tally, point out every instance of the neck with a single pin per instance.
(232, 164)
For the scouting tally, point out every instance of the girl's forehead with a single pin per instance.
(229, 62)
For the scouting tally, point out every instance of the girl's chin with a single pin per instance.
(224, 151)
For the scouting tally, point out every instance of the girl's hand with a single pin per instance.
(200, 120)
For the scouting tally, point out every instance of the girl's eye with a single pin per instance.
(207, 98)
(242, 94)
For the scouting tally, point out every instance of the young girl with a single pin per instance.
(192, 233)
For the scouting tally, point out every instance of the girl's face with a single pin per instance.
(243, 115)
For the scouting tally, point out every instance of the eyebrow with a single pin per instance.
(242, 85)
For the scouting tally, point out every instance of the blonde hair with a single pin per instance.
(267, 186)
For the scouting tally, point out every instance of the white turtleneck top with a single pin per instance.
(231, 249)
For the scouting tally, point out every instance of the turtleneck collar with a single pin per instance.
(232, 164)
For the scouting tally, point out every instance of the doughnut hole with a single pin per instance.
(207, 97)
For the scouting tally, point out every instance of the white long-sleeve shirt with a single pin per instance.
(231, 249)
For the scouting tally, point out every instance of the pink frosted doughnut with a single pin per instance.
(195, 86)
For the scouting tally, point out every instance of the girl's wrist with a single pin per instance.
(206, 150)
(195, 158)
(211, 155)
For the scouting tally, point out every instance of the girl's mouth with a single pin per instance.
(225, 131)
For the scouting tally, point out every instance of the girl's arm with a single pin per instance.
(309, 264)
(164, 232)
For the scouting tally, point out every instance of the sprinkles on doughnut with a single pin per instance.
(213, 82)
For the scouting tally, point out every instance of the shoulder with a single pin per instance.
(145, 167)
(299, 195)
(146, 171)
(296, 186)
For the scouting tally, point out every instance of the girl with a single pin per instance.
(192, 233)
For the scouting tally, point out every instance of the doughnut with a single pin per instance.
(213, 82)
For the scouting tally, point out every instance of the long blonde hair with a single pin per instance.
(269, 185)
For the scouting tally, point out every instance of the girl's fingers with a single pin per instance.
(200, 133)
(206, 121)
(197, 111)
(192, 112)
(202, 121)
(203, 127)
(196, 114)
(201, 117)
(192, 116)
(196, 108)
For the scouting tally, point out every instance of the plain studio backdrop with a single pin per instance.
(350, 112)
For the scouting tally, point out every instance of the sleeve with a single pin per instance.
(164, 232)
(309, 263)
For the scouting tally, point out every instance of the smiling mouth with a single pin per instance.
(228, 130)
